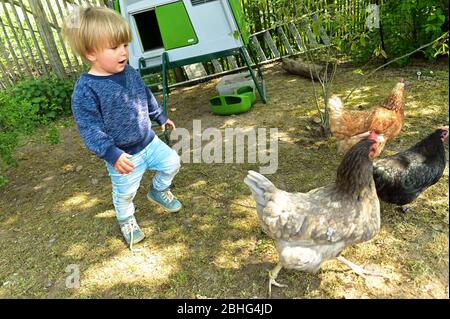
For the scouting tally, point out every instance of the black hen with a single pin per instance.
(402, 177)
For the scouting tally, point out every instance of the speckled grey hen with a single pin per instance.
(310, 228)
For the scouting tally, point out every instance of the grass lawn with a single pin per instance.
(56, 210)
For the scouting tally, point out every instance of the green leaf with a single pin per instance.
(362, 40)
(315, 27)
(3, 181)
(51, 114)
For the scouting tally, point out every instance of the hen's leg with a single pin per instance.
(358, 269)
(273, 274)
(403, 209)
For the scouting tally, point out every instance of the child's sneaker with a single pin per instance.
(131, 231)
(166, 199)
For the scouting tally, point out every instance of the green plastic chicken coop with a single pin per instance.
(174, 33)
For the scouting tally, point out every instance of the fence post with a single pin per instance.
(33, 37)
(47, 38)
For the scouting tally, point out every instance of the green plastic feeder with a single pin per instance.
(249, 91)
(230, 104)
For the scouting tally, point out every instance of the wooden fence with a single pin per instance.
(31, 44)
(263, 14)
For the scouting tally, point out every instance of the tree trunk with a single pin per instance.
(46, 34)
(302, 68)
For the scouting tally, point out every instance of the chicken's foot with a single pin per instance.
(358, 269)
(273, 274)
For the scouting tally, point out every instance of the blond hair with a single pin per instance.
(92, 29)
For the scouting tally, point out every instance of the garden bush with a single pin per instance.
(49, 95)
(405, 26)
(25, 106)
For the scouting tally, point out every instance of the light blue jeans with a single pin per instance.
(156, 156)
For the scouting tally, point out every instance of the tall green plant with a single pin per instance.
(408, 24)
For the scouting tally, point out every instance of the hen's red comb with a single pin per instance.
(402, 80)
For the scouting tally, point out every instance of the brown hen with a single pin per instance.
(386, 118)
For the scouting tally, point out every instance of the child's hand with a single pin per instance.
(123, 164)
(168, 122)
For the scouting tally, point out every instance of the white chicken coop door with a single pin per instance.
(184, 29)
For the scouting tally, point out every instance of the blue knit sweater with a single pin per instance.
(113, 113)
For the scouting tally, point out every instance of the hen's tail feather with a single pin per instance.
(335, 104)
(259, 185)
(335, 110)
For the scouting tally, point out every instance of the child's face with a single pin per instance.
(110, 60)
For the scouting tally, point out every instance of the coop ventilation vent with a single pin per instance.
(199, 2)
